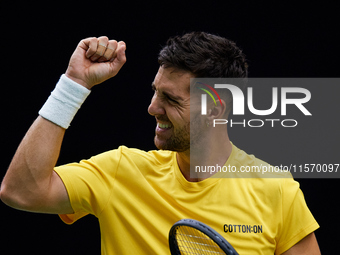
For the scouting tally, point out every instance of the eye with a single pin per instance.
(171, 100)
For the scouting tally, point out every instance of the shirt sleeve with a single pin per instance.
(296, 220)
(88, 183)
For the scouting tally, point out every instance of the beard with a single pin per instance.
(182, 138)
(179, 141)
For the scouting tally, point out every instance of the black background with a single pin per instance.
(280, 40)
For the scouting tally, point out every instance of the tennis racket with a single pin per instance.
(193, 237)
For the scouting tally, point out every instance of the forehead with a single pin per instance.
(174, 80)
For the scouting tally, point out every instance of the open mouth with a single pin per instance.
(162, 125)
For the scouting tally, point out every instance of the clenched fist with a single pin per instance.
(96, 60)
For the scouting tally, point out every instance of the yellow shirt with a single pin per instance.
(137, 196)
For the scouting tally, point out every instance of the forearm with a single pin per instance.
(32, 166)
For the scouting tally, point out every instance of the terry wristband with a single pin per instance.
(64, 102)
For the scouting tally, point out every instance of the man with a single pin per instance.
(138, 195)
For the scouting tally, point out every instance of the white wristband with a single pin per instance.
(64, 102)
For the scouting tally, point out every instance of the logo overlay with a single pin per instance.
(204, 97)
(262, 115)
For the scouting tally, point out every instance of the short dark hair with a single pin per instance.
(205, 55)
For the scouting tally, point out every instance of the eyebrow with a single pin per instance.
(153, 86)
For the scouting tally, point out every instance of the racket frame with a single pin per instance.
(205, 229)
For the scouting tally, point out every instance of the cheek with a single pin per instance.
(184, 111)
(179, 116)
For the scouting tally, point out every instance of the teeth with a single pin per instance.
(164, 125)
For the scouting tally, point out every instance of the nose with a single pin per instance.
(156, 108)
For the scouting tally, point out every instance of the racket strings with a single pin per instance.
(192, 241)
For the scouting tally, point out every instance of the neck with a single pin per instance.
(215, 150)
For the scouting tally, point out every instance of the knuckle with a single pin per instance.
(103, 38)
(91, 40)
(93, 44)
(112, 44)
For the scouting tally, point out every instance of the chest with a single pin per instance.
(143, 213)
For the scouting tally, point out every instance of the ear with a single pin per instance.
(216, 111)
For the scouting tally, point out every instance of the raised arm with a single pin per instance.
(30, 183)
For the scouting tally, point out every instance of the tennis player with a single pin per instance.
(137, 195)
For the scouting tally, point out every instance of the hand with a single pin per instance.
(96, 60)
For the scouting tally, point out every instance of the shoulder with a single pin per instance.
(249, 166)
(265, 181)
(134, 155)
(262, 178)
(154, 156)
(132, 158)
(122, 157)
